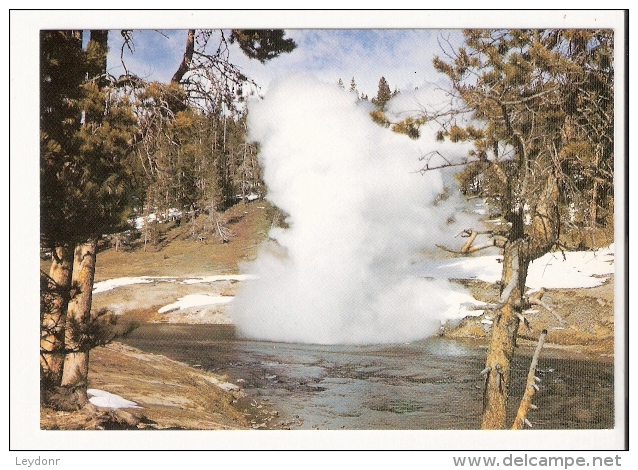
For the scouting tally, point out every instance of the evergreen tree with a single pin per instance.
(353, 87)
(262, 44)
(383, 95)
(88, 131)
(531, 153)
(85, 134)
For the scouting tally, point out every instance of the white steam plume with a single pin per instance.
(359, 215)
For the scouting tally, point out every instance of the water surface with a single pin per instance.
(430, 384)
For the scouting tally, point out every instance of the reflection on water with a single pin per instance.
(429, 384)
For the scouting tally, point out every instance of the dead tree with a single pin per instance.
(530, 388)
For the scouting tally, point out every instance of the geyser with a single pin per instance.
(359, 214)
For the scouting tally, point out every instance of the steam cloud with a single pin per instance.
(360, 215)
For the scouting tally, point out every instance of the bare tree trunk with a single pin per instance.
(54, 318)
(527, 244)
(593, 206)
(530, 387)
(503, 339)
(187, 58)
(76, 362)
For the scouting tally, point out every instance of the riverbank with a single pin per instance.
(577, 320)
(173, 395)
(166, 394)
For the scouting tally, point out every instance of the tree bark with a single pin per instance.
(503, 338)
(52, 341)
(532, 242)
(593, 204)
(186, 59)
(530, 387)
(76, 362)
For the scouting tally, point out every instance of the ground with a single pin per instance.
(174, 395)
(587, 327)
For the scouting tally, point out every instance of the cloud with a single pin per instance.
(402, 56)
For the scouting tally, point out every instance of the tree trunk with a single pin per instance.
(187, 58)
(593, 205)
(503, 339)
(530, 387)
(54, 318)
(76, 362)
(527, 243)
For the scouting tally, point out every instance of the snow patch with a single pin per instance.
(110, 284)
(228, 387)
(196, 300)
(461, 305)
(579, 269)
(109, 400)
(229, 277)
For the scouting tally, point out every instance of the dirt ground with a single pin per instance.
(582, 320)
(171, 395)
(174, 395)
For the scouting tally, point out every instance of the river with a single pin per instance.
(430, 384)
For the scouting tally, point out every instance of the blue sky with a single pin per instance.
(402, 56)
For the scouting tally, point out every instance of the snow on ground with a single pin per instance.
(577, 270)
(461, 305)
(109, 400)
(229, 277)
(196, 300)
(107, 285)
(140, 221)
(581, 269)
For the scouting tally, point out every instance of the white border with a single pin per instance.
(24, 43)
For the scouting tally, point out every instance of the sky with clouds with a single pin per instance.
(402, 56)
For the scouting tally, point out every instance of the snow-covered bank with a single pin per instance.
(109, 284)
(225, 277)
(578, 269)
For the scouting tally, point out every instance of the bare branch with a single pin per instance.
(471, 235)
(530, 386)
(539, 302)
(186, 59)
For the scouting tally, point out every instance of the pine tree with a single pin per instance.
(523, 86)
(85, 134)
(88, 132)
(262, 44)
(353, 87)
(383, 95)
